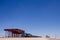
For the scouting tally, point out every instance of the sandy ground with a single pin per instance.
(29, 39)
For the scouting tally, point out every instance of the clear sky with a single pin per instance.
(38, 17)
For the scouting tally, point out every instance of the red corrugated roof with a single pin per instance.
(17, 31)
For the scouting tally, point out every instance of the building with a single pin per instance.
(17, 33)
(14, 32)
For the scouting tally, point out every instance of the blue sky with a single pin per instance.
(38, 17)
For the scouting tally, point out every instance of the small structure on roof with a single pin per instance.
(14, 32)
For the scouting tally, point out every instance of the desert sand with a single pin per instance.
(29, 38)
